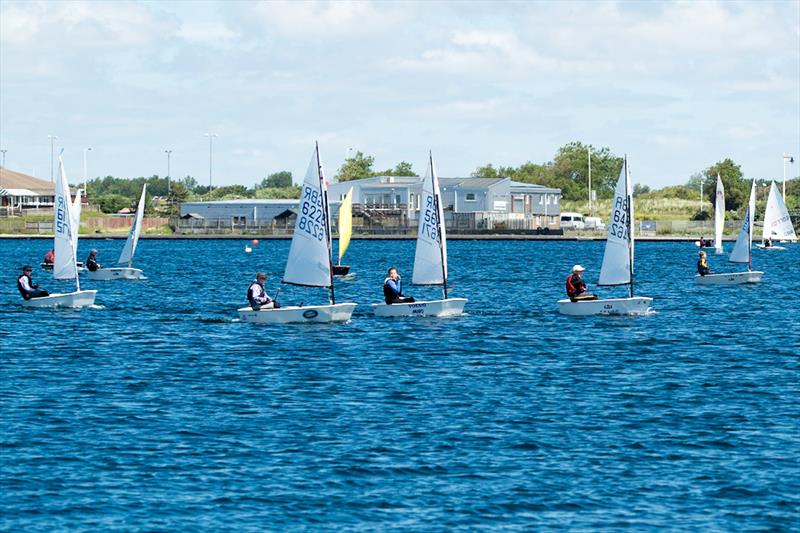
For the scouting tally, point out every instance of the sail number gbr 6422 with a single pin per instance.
(312, 219)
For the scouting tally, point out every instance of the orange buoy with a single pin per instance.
(255, 242)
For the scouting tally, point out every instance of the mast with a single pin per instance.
(323, 191)
(628, 200)
(436, 201)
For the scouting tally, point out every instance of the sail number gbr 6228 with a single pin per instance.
(311, 215)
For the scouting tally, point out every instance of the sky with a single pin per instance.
(675, 85)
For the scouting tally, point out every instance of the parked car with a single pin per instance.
(572, 221)
(594, 223)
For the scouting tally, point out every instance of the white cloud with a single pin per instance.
(206, 32)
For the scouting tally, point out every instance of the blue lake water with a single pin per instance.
(159, 411)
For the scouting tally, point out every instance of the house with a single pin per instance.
(20, 193)
(242, 212)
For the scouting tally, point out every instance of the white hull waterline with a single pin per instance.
(71, 299)
(297, 315)
(729, 278)
(638, 305)
(437, 308)
(107, 274)
(762, 247)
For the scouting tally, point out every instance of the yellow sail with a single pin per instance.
(345, 223)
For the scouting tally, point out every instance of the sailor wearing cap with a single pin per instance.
(91, 262)
(576, 287)
(27, 288)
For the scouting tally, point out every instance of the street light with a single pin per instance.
(169, 153)
(85, 151)
(210, 152)
(791, 160)
(3, 165)
(589, 156)
(52, 140)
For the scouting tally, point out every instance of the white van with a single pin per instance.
(572, 221)
(594, 223)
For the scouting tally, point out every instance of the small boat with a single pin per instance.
(247, 249)
(430, 259)
(65, 242)
(310, 261)
(719, 216)
(345, 232)
(128, 251)
(777, 222)
(617, 266)
(742, 253)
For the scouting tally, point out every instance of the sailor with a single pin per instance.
(257, 294)
(703, 242)
(91, 262)
(393, 289)
(702, 265)
(576, 287)
(768, 242)
(49, 258)
(27, 288)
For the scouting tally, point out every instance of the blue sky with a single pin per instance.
(675, 85)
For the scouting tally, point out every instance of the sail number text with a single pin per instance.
(61, 216)
(311, 218)
(430, 225)
(619, 224)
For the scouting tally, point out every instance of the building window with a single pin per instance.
(470, 197)
(239, 221)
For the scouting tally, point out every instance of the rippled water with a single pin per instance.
(158, 411)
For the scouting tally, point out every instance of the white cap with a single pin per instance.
(578, 268)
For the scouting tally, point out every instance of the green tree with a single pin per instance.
(112, 203)
(278, 193)
(357, 167)
(737, 189)
(403, 168)
(276, 180)
(572, 163)
(231, 192)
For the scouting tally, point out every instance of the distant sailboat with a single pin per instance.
(777, 222)
(719, 216)
(65, 242)
(310, 262)
(617, 266)
(430, 259)
(128, 251)
(345, 232)
(742, 253)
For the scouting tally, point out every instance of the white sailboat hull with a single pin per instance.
(729, 278)
(75, 299)
(107, 274)
(638, 305)
(437, 308)
(298, 315)
(773, 247)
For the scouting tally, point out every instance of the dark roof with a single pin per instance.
(10, 179)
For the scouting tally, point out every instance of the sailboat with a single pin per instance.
(65, 242)
(719, 216)
(75, 213)
(345, 232)
(617, 266)
(310, 262)
(742, 253)
(128, 251)
(430, 260)
(777, 222)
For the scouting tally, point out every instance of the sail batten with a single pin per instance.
(430, 258)
(617, 268)
(309, 261)
(129, 250)
(719, 214)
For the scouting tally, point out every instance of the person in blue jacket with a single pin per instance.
(393, 289)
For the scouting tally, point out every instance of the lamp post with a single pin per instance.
(85, 151)
(3, 151)
(52, 140)
(169, 153)
(589, 156)
(210, 152)
(791, 160)
(701, 194)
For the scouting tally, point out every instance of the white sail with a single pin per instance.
(430, 261)
(65, 236)
(742, 248)
(777, 223)
(618, 258)
(309, 261)
(719, 215)
(133, 235)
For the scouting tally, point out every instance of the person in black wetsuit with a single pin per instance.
(27, 288)
(702, 265)
(393, 289)
(91, 262)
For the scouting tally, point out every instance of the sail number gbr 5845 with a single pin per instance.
(430, 225)
(311, 216)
